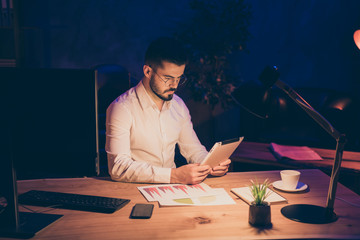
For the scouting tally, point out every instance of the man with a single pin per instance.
(144, 124)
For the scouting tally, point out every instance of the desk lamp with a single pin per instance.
(304, 212)
(311, 213)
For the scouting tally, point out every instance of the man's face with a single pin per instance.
(169, 73)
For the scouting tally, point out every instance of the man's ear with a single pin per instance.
(147, 71)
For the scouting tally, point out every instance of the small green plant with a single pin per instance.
(258, 191)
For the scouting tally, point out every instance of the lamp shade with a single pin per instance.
(357, 38)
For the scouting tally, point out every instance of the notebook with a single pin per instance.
(300, 153)
(245, 194)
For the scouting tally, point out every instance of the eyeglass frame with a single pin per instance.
(180, 81)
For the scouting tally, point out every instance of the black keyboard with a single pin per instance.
(72, 201)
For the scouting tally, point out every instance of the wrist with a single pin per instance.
(173, 176)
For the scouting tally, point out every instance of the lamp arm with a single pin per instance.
(340, 139)
(308, 109)
(335, 173)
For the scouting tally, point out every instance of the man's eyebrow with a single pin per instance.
(169, 76)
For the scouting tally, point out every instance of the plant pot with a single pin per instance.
(260, 215)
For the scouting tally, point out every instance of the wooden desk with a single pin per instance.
(259, 153)
(205, 222)
(251, 156)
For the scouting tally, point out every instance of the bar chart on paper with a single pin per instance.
(221, 198)
(175, 191)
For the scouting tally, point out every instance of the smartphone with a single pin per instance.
(142, 211)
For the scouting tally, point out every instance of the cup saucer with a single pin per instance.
(300, 187)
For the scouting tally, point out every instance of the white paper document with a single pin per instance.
(221, 197)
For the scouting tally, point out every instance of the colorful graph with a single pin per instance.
(152, 190)
(220, 197)
(185, 187)
(175, 191)
(184, 201)
(197, 186)
(207, 199)
(182, 188)
(201, 200)
(164, 188)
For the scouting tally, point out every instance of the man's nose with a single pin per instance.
(174, 83)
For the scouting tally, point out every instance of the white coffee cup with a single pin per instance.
(290, 179)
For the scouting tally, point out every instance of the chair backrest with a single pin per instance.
(112, 81)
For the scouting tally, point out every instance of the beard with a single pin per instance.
(155, 89)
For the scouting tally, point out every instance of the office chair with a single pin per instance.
(112, 81)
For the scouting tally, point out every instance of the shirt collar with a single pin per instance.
(146, 101)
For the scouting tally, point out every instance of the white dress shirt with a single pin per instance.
(141, 139)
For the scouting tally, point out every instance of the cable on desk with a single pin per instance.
(350, 203)
(46, 210)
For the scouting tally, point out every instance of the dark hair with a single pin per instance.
(165, 49)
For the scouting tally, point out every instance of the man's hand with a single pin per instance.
(189, 174)
(221, 169)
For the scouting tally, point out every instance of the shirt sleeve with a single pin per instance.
(121, 166)
(189, 144)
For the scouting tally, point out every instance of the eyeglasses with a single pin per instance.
(172, 80)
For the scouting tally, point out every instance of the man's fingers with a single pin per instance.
(218, 173)
(203, 168)
(198, 180)
(220, 168)
(195, 173)
(226, 162)
(202, 173)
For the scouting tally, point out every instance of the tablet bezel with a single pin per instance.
(221, 151)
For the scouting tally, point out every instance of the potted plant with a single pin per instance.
(259, 211)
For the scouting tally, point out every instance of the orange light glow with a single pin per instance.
(340, 105)
(357, 38)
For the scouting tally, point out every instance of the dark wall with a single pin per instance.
(309, 40)
(81, 34)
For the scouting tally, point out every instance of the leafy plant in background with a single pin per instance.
(258, 191)
(216, 30)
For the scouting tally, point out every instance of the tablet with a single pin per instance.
(221, 151)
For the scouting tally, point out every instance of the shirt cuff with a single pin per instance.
(162, 175)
